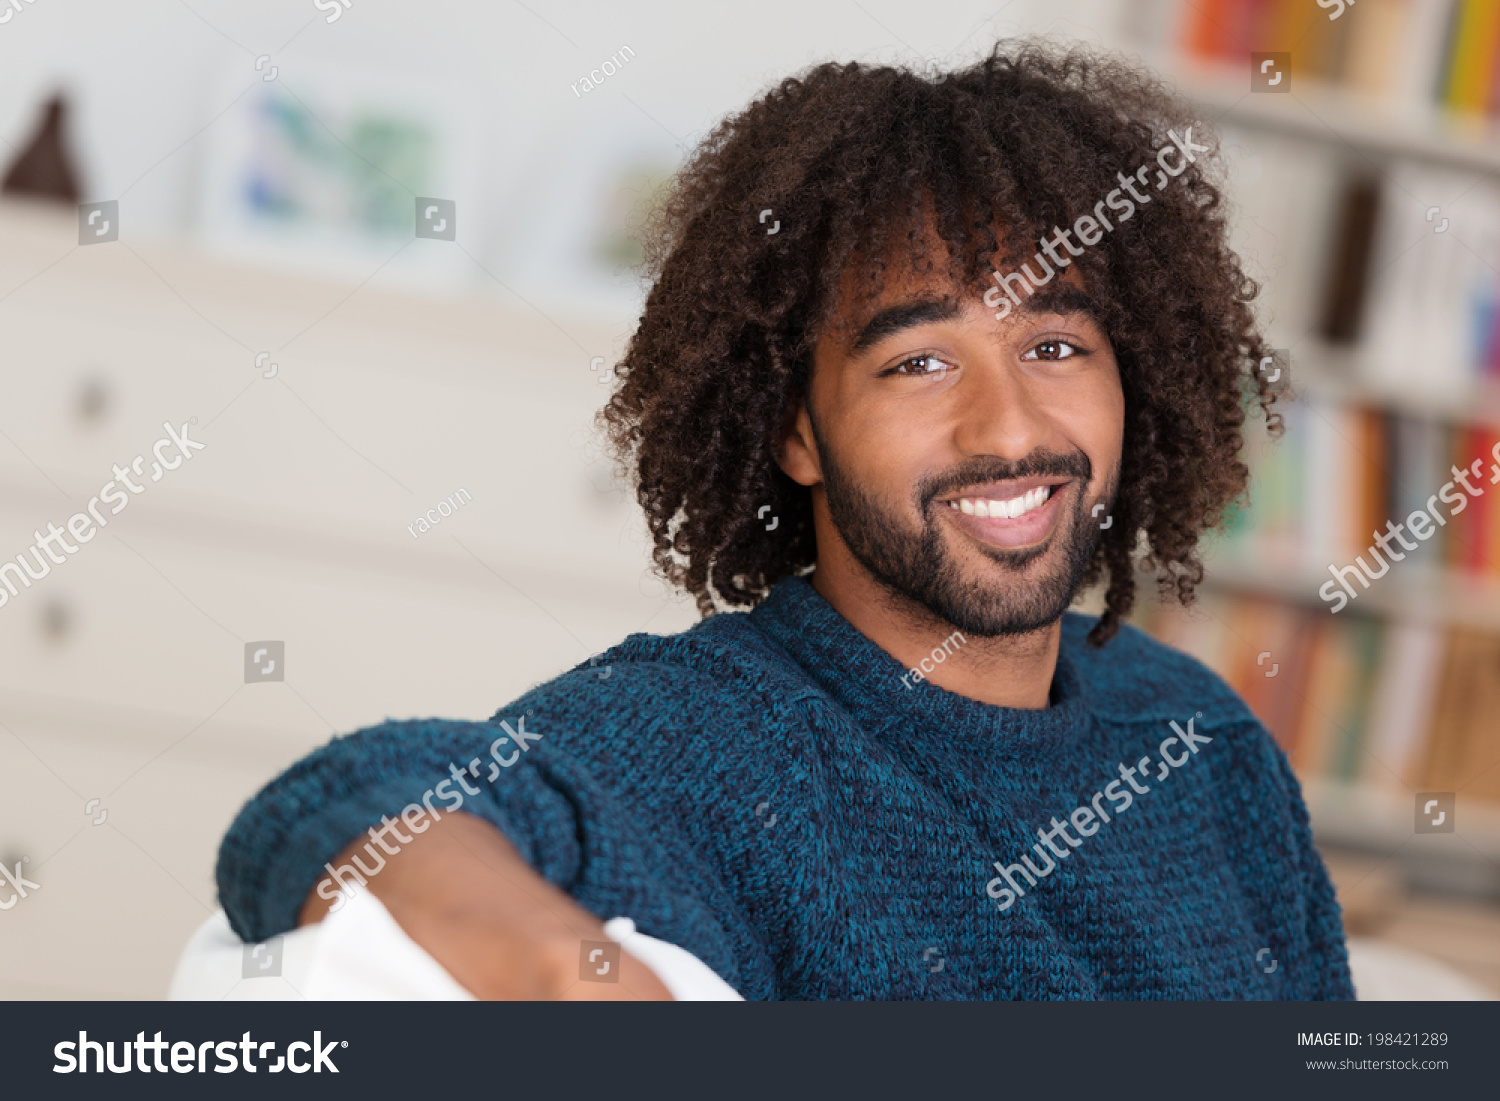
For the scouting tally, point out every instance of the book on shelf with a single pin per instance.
(1426, 54)
(1432, 283)
(1400, 268)
(1467, 754)
(1333, 488)
(1404, 700)
(1396, 269)
(1349, 258)
(1353, 699)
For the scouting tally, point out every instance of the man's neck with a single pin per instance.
(1007, 671)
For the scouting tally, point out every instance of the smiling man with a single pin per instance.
(1058, 807)
(974, 511)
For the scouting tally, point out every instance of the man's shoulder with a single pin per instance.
(722, 664)
(1136, 678)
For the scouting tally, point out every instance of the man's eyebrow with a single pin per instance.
(905, 315)
(1062, 299)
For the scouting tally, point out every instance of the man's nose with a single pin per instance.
(1001, 416)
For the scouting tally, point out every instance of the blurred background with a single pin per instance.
(378, 259)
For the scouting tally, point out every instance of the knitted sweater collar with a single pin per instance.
(866, 680)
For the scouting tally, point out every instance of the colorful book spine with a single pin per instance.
(1471, 67)
(1443, 53)
(1388, 704)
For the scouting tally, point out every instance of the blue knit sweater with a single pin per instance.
(765, 791)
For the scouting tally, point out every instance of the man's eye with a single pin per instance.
(1054, 350)
(921, 366)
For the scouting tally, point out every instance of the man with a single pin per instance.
(994, 342)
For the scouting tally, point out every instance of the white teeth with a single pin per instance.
(1016, 506)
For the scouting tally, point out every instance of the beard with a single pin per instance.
(919, 566)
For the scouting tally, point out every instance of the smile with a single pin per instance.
(1013, 520)
(1010, 510)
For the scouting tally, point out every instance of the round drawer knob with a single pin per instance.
(57, 620)
(94, 400)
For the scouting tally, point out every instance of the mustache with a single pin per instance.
(989, 468)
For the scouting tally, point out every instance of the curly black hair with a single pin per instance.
(849, 159)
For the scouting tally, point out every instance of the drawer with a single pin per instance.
(384, 407)
(144, 619)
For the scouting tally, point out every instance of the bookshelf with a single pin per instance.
(1421, 593)
(1321, 113)
(1394, 327)
(1336, 377)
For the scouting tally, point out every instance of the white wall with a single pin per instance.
(144, 74)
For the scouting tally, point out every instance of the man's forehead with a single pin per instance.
(899, 285)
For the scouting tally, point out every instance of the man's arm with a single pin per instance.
(463, 892)
(283, 840)
(590, 796)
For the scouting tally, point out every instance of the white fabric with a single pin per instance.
(685, 976)
(360, 953)
(363, 955)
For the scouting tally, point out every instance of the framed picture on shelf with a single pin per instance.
(323, 168)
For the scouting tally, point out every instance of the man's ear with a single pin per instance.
(796, 450)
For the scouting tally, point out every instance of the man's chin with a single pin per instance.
(997, 592)
(999, 616)
(1001, 564)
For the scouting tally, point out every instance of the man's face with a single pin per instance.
(959, 457)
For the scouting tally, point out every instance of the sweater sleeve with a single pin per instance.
(604, 796)
(275, 849)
